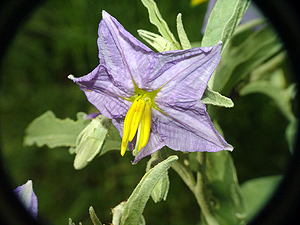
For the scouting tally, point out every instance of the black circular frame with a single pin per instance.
(283, 207)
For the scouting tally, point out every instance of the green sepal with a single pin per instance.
(215, 98)
(158, 42)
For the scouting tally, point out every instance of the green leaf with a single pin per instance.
(256, 193)
(223, 186)
(281, 97)
(223, 21)
(239, 61)
(215, 98)
(184, 41)
(139, 197)
(53, 132)
(158, 42)
(156, 19)
(94, 217)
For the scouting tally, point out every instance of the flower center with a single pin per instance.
(137, 122)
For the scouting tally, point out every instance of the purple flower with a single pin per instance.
(153, 99)
(27, 197)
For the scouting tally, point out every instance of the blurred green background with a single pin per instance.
(60, 39)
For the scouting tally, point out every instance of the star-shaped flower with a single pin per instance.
(153, 99)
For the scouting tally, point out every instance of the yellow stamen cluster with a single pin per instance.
(137, 121)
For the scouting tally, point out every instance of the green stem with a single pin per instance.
(198, 188)
(201, 193)
(186, 174)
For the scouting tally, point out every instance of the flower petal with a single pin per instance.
(187, 79)
(27, 197)
(124, 56)
(103, 94)
(190, 129)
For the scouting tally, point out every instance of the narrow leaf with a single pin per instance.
(157, 20)
(139, 197)
(53, 132)
(94, 217)
(184, 41)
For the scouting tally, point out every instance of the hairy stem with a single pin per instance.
(186, 174)
(201, 193)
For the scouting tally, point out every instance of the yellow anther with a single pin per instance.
(136, 118)
(123, 147)
(145, 127)
(137, 123)
(127, 126)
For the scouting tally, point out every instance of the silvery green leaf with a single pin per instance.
(223, 21)
(215, 98)
(117, 213)
(94, 218)
(89, 142)
(158, 42)
(157, 20)
(53, 132)
(257, 191)
(139, 197)
(184, 41)
(226, 200)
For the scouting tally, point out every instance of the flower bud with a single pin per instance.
(161, 189)
(90, 141)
